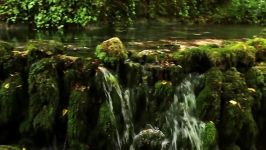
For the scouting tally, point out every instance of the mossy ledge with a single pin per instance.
(49, 99)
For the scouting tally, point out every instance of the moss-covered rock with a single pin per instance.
(10, 62)
(11, 99)
(42, 49)
(149, 139)
(237, 123)
(164, 88)
(111, 51)
(209, 99)
(5, 48)
(43, 97)
(255, 79)
(200, 59)
(106, 129)
(209, 136)
(260, 45)
(194, 60)
(77, 125)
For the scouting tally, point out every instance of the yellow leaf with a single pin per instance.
(64, 112)
(233, 102)
(7, 85)
(251, 90)
(23, 148)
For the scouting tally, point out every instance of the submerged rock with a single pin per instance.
(111, 51)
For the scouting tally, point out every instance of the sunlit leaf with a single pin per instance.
(7, 85)
(233, 102)
(64, 112)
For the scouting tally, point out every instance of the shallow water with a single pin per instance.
(141, 32)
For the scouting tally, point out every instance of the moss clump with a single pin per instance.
(194, 60)
(255, 79)
(200, 59)
(237, 123)
(43, 96)
(42, 49)
(164, 88)
(5, 48)
(149, 139)
(209, 136)
(260, 45)
(78, 112)
(11, 100)
(209, 99)
(106, 128)
(111, 51)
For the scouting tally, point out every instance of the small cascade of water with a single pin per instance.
(184, 127)
(111, 83)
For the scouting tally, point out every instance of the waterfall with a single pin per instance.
(111, 83)
(184, 127)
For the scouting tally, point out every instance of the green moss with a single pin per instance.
(209, 99)
(77, 125)
(209, 136)
(111, 51)
(164, 88)
(42, 49)
(237, 118)
(106, 122)
(194, 59)
(11, 99)
(236, 54)
(5, 48)
(44, 96)
(150, 139)
(260, 45)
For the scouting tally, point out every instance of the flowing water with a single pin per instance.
(185, 128)
(110, 85)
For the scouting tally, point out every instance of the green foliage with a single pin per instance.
(51, 13)
(242, 11)
(60, 13)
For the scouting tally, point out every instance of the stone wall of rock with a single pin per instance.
(50, 99)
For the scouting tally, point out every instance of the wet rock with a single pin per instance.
(43, 93)
(209, 99)
(237, 124)
(111, 51)
(78, 113)
(149, 139)
(13, 108)
(43, 49)
(9, 147)
(255, 79)
(11, 98)
(209, 136)
(260, 45)
(106, 129)
(10, 62)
